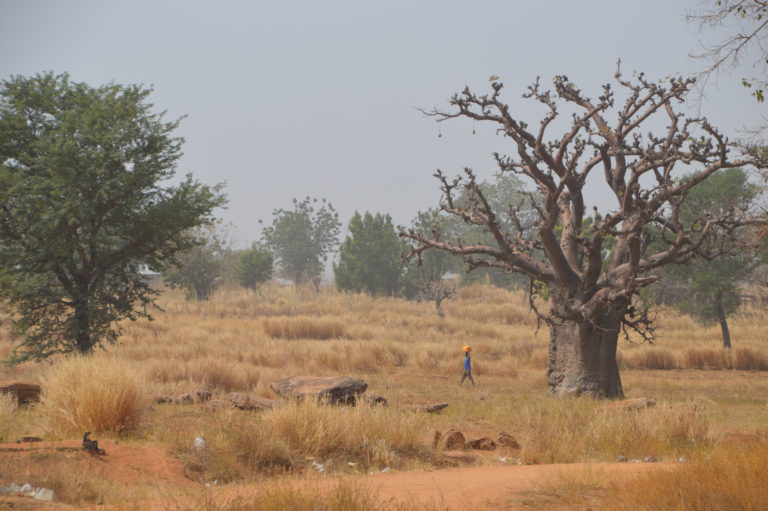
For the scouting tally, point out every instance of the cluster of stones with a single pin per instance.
(337, 390)
(454, 440)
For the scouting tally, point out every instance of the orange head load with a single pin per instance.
(467, 349)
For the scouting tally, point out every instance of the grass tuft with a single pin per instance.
(93, 393)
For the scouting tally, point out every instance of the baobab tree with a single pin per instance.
(592, 264)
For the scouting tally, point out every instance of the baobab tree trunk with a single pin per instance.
(582, 357)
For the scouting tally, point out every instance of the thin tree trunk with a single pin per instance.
(723, 320)
(582, 358)
(83, 325)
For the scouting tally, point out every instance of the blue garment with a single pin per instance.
(467, 367)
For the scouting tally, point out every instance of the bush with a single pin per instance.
(90, 393)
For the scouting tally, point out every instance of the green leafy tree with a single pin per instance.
(200, 271)
(369, 257)
(708, 288)
(302, 239)
(84, 207)
(254, 266)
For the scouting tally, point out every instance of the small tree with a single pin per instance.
(708, 288)
(84, 207)
(591, 292)
(424, 277)
(369, 257)
(254, 266)
(199, 271)
(302, 239)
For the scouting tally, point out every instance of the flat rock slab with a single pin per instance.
(335, 389)
(424, 407)
(246, 401)
(23, 391)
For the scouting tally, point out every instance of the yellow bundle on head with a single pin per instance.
(467, 348)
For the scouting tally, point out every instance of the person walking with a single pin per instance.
(467, 366)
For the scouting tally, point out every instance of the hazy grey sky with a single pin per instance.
(288, 99)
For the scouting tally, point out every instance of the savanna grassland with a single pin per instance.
(712, 406)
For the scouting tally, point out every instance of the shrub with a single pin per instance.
(92, 393)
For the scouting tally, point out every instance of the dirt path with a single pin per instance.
(160, 477)
(477, 488)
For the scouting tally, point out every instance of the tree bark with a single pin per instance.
(83, 325)
(582, 357)
(723, 321)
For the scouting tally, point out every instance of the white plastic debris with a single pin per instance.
(501, 459)
(199, 443)
(385, 469)
(26, 488)
(350, 464)
(44, 494)
(318, 466)
(682, 459)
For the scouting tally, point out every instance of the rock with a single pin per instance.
(26, 488)
(507, 440)
(246, 401)
(335, 389)
(217, 404)
(374, 400)
(159, 400)
(452, 440)
(633, 404)
(184, 399)
(202, 396)
(31, 438)
(24, 391)
(424, 407)
(482, 444)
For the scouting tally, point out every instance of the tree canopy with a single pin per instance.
(85, 206)
(369, 257)
(254, 266)
(708, 288)
(200, 270)
(302, 239)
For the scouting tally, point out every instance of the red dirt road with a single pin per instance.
(164, 486)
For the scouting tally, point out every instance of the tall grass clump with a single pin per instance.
(9, 416)
(650, 359)
(731, 478)
(91, 393)
(576, 429)
(334, 435)
(303, 327)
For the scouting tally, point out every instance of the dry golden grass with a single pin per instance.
(344, 496)
(94, 393)
(241, 341)
(731, 478)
